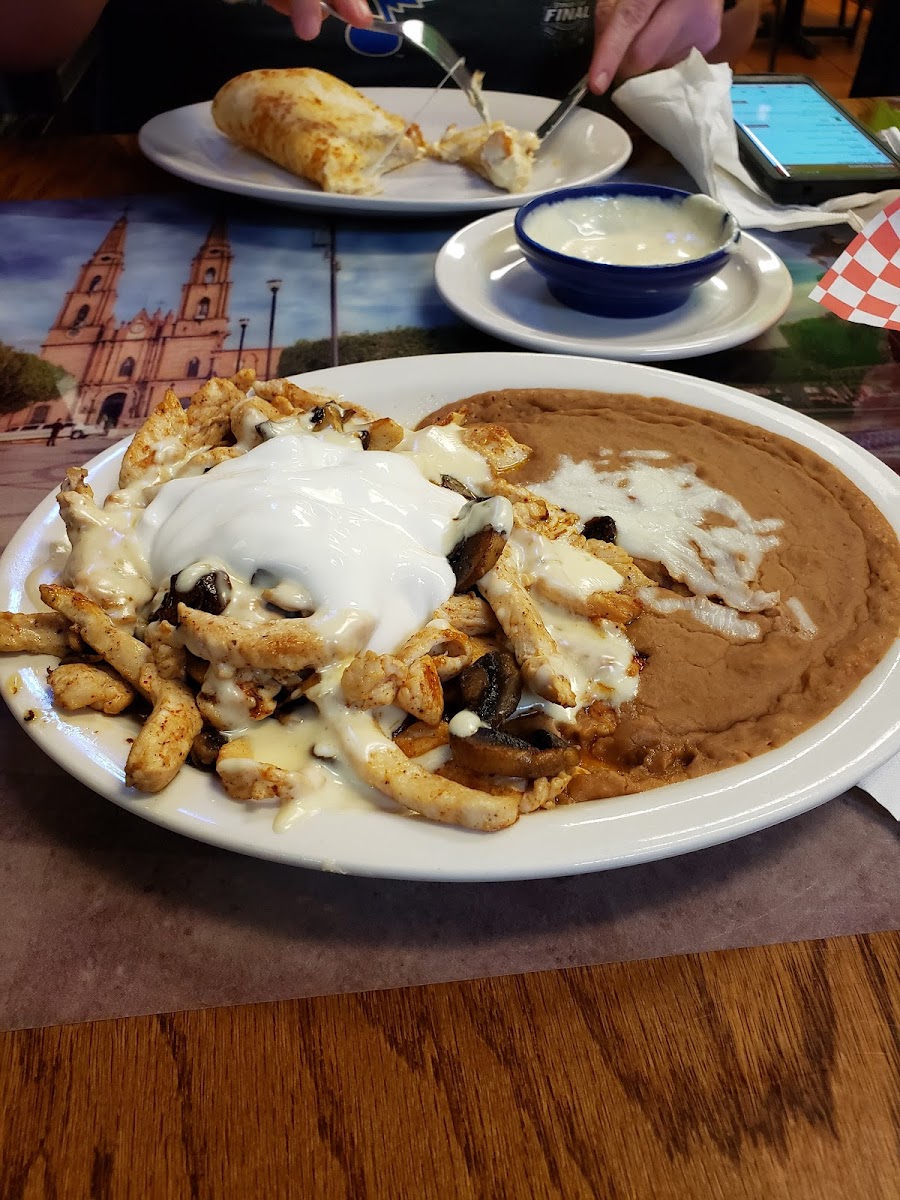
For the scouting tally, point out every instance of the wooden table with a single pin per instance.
(765, 1072)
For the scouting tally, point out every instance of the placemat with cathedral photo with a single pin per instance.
(108, 303)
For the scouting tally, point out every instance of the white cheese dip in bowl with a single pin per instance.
(625, 249)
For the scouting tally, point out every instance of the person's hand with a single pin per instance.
(306, 15)
(634, 36)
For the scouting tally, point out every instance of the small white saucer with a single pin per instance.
(482, 275)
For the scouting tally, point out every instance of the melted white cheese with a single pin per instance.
(222, 689)
(805, 625)
(107, 562)
(291, 743)
(440, 450)
(662, 514)
(433, 760)
(496, 512)
(465, 723)
(304, 745)
(596, 657)
(718, 617)
(573, 571)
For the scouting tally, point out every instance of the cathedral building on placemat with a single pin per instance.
(121, 369)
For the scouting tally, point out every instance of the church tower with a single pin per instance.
(88, 310)
(204, 298)
(198, 331)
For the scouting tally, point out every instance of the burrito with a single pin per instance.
(317, 127)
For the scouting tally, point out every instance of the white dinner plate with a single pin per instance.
(857, 737)
(586, 148)
(482, 275)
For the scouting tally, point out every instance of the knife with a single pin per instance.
(562, 110)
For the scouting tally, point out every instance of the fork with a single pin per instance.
(427, 39)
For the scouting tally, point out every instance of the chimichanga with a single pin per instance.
(316, 126)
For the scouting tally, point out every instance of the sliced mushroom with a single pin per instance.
(168, 606)
(452, 484)
(535, 726)
(285, 426)
(205, 748)
(600, 529)
(496, 752)
(474, 556)
(196, 667)
(267, 430)
(293, 693)
(326, 416)
(483, 527)
(491, 687)
(209, 593)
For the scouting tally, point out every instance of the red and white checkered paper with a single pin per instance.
(864, 283)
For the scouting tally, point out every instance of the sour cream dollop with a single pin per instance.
(358, 530)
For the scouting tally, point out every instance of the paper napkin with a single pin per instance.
(864, 283)
(883, 786)
(687, 109)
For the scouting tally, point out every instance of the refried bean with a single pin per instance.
(707, 701)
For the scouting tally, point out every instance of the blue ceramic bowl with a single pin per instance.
(611, 290)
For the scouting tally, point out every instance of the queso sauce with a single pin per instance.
(709, 699)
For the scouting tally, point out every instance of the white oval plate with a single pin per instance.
(585, 149)
(482, 275)
(857, 737)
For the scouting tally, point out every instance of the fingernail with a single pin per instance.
(362, 11)
(600, 82)
(307, 25)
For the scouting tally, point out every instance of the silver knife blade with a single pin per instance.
(562, 110)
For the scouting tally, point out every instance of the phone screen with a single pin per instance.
(798, 127)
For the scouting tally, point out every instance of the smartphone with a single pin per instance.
(800, 145)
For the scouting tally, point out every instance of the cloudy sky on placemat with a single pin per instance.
(385, 278)
(379, 289)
